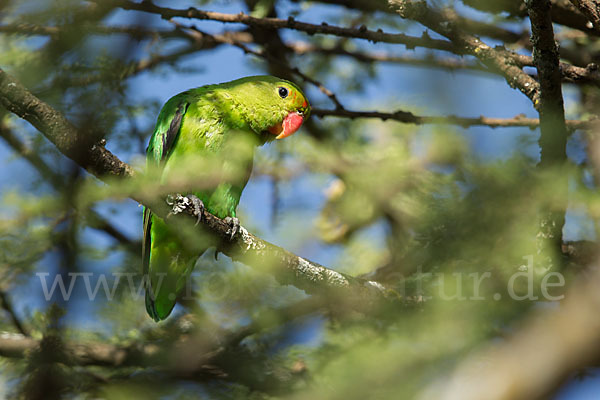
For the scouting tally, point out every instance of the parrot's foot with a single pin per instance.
(180, 203)
(234, 226)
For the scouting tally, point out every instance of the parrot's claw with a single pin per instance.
(234, 226)
(180, 203)
(198, 208)
(174, 200)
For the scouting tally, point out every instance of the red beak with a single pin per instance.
(290, 124)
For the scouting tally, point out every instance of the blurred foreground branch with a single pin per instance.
(94, 219)
(550, 345)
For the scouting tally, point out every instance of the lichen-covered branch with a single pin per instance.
(85, 151)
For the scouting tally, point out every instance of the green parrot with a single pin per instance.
(223, 123)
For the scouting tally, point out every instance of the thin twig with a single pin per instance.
(465, 122)
(290, 23)
(262, 54)
(452, 64)
(444, 24)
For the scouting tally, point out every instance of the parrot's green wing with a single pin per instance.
(161, 146)
(193, 123)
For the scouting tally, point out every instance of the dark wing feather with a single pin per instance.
(170, 137)
(167, 141)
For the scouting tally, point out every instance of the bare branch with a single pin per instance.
(451, 64)
(562, 12)
(193, 31)
(290, 23)
(553, 139)
(101, 354)
(465, 122)
(501, 60)
(135, 32)
(199, 42)
(468, 25)
(591, 9)
(571, 73)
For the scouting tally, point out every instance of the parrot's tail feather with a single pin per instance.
(152, 309)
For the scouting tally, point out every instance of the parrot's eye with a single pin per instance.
(283, 92)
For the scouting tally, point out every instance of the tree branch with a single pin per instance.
(562, 12)
(468, 25)
(291, 269)
(591, 9)
(465, 122)
(444, 24)
(290, 23)
(268, 57)
(186, 353)
(452, 64)
(135, 32)
(571, 73)
(553, 138)
(81, 149)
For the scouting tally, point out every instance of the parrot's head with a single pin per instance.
(272, 106)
